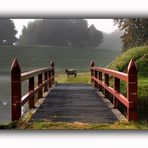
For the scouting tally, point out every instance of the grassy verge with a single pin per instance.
(87, 126)
(81, 78)
(24, 124)
(140, 55)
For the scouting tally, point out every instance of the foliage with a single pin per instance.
(139, 54)
(142, 63)
(7, 32)
(135, 31)
(112, 40)
(60, 32)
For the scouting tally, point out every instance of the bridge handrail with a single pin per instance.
(33, 73)
(16, 82)
(114, 73)
(130, 78)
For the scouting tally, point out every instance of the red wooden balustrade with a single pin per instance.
(102, 81)
(17, 78)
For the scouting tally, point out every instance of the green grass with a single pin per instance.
(86, 126)
(24, 124)
(140, 55)
(81, 78)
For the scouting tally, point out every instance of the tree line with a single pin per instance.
(112, 40)
(53, 32)
(7, 32)
(73, 32)
(61, 32)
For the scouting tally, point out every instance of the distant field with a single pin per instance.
(32, 57)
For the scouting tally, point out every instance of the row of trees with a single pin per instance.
(73, 32)
(112, 40)
(7, 32)
(54, 32)
(61, 32)
(135, 31)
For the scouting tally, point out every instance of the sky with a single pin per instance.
(105, 25)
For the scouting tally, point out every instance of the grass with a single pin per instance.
(81, 78)
(140, 55)
(23, 123)
(87, 126)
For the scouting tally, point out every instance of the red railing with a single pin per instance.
(17, 78)
(101, 76)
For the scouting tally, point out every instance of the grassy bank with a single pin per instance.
(140, 55)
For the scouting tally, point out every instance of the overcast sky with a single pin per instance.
(105, 25)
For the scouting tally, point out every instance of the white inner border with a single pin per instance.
(74, 8)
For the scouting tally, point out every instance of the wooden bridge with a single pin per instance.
(75, 102)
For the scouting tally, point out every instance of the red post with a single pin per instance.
(49, 78)
(96, 76)
(40, 92)
(132, 91)
(16, 90)
(117, 89)
(31, 88)
(106, 93)
(100, 78)
(45, 78)
(92, 73)
(53, 72)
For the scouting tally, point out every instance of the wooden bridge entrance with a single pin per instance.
(75, 102)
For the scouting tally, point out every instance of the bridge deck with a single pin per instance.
(75, 103)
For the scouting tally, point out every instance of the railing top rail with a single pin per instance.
(30, 74)
(117, 74)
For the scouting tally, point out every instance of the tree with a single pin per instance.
(7, 32)
(135, 31)
(95, 36)
(61, 32)
(112, 40)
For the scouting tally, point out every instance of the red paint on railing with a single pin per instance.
(17, 78)
(130, 78)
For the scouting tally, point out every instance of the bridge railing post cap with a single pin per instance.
(15, 66)
(92, 63)
(132, 67)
